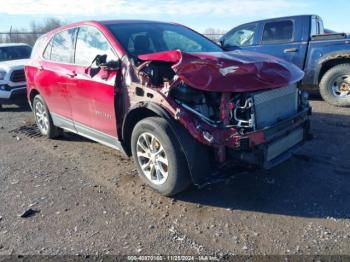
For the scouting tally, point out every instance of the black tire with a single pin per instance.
(52, 131)
(178, 178)
(327, 82)
(1, 108)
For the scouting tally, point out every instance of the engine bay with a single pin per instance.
(242, 107)
(207, 106)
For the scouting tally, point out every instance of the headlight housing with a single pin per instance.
(2, 74)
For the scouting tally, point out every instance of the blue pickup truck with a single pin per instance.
(322, 54)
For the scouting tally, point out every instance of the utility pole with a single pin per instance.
(11, 34)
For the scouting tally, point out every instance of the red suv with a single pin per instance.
(168, 96)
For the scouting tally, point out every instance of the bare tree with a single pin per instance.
(213, 33)
(46, 26)
(31, 34)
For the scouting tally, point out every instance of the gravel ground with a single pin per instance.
(89, 199)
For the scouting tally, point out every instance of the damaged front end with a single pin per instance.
(244, 106)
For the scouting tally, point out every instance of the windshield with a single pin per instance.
(14, 52)
(146, 38)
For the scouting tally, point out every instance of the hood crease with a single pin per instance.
(235, 71)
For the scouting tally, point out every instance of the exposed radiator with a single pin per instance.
(275, 105)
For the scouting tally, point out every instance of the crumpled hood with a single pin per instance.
(235, 71)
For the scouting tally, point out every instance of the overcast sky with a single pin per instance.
(198, 14)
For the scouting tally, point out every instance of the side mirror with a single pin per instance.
(101, 62)
(222, 44)
(229, 47)
(100, 59)
(110, 65)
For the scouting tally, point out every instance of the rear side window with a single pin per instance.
(316, 27)
(90, 43)
(281, 31)
(61, 47)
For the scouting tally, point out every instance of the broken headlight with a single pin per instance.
(242, 114)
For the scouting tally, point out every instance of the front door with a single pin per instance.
(93, 96)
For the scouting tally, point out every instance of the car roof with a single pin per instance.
(13, 44)
(133, 21)
(108, 22)
(283, 17)
(104, 23)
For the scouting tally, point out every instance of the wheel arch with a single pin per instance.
(135, 115)
(34, 92)
(330, 61)
(197, 155)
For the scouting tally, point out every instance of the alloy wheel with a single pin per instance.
(152, 158)
(42, 118)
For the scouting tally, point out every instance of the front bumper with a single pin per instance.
(14, 96)
(271, 146)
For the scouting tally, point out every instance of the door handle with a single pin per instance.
(41, 68)
(290, 50)
(72, 74)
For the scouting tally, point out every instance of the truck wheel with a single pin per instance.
(158, 156)
(43, 119)
(335, 85)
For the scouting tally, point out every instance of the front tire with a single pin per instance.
(335, 85)
(158, 157)
(43, 119)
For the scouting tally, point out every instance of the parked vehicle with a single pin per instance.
(169, 97)
(13, 57)
(323, 54)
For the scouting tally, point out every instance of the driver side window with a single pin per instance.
(242, 36)
(90, 43)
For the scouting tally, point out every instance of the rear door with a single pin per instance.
(92, 98)
(281, 38)
(54, 76)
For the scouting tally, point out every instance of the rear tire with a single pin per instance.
(334, 85)
(43, 119)
(158, 157)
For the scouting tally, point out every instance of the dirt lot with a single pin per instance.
(92, 202)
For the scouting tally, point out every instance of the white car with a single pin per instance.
(13, 58)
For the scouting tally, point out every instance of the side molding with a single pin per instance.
(87, 132)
